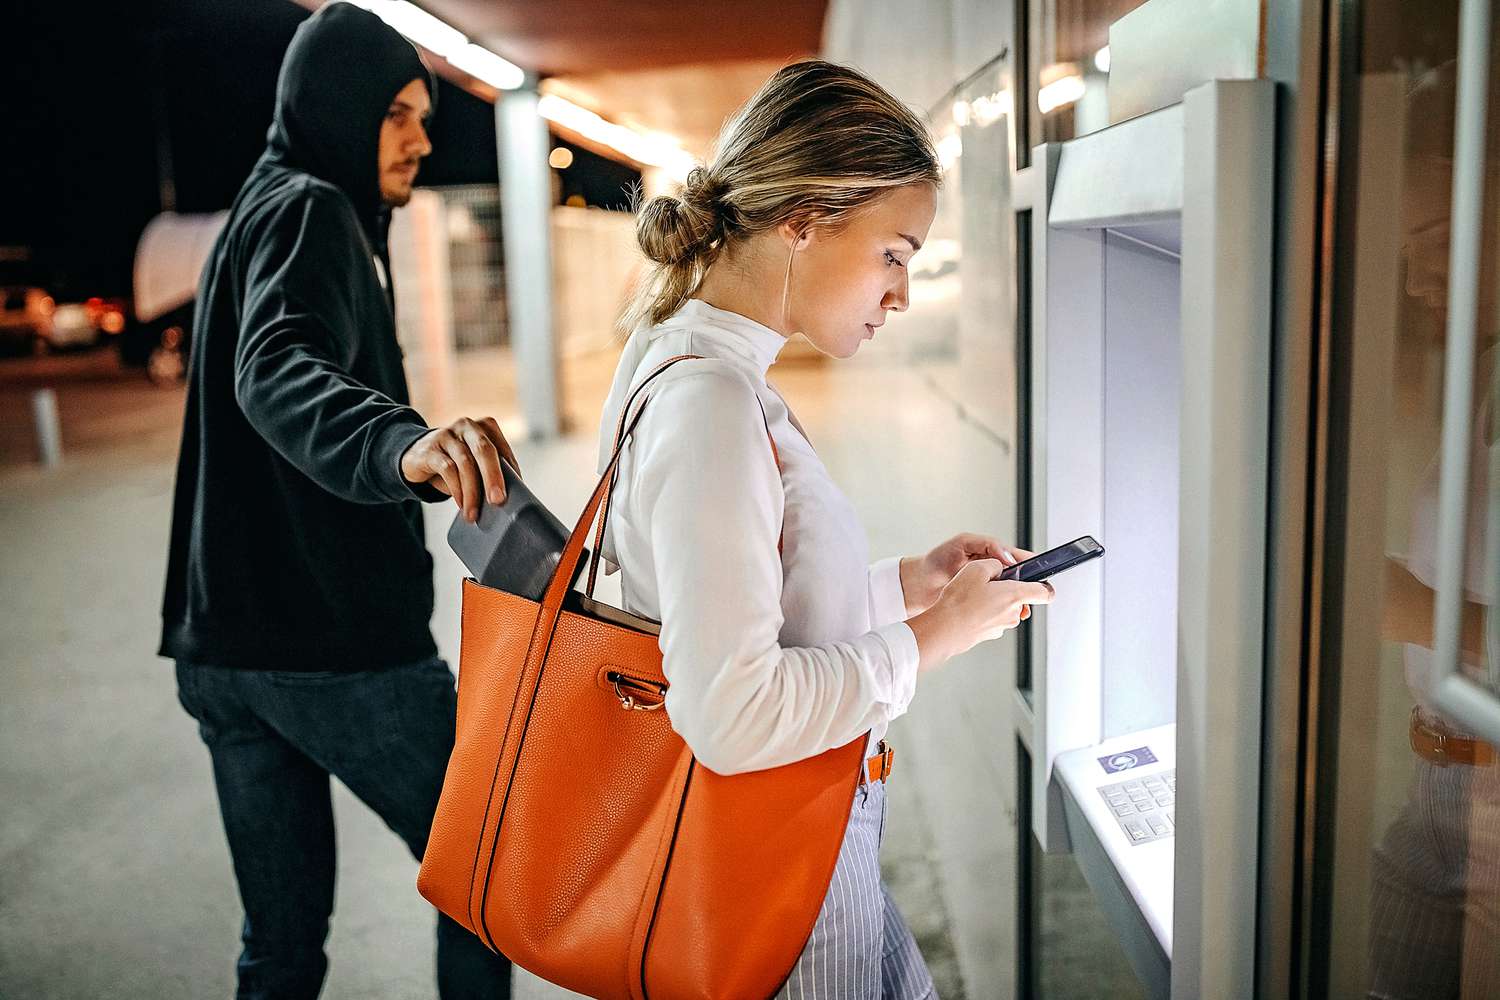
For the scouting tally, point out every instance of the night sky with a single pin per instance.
(94, 85)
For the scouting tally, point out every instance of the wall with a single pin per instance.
(959, 333)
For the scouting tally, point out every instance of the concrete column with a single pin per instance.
(526, 220)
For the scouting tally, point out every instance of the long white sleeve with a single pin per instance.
(887, 598)
(705, 478)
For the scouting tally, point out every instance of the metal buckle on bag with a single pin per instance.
(630, 701)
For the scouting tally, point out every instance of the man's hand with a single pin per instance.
(924, 577)
(463, 461)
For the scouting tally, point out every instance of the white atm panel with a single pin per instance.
(1149, 414)
(1142, 387)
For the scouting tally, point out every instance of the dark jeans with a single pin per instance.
(275, 737)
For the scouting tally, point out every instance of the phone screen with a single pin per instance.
(1054, 561)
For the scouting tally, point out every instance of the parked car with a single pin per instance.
(25, 318)
(71, 328)
(77, 325)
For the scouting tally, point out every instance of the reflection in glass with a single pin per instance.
(1070, 67)
(1416, 885)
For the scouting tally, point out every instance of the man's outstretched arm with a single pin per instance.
(299, 319)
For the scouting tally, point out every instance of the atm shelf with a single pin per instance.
(1127, 859)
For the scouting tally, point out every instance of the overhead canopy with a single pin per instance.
(656, 65)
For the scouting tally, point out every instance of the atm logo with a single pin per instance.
(1126, 759)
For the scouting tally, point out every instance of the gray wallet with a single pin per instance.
(514, 546)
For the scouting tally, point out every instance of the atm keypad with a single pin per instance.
(1144, 807)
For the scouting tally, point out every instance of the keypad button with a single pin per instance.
(1142, 806)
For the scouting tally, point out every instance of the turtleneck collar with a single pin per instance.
(723, 334)
(705, 330)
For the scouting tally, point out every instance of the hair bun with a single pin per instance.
(700, 189)
(671, 230)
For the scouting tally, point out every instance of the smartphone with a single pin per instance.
(1054, 561)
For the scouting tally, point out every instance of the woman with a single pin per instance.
(822, 189)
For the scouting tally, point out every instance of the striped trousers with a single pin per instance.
(1435, 901)
(860, 947)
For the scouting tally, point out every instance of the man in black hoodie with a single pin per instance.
(299, 589)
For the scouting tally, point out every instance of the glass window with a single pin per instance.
(1068, 63)
(1412, 861)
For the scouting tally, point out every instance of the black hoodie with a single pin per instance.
(296, 544)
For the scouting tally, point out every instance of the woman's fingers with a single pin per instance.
(1038, 593)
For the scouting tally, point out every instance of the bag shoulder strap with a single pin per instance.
(613, 472)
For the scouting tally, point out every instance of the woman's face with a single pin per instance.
(843, 284)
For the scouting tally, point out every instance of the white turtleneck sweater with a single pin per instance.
(769, 659)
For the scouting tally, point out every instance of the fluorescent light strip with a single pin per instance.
(654, 150)
(988, 110)
(949, 149)
(482, 64)
(1059, 93)
(441, 38)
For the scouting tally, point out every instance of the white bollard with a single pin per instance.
(48, 427)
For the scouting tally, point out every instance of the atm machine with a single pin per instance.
(1148, 250)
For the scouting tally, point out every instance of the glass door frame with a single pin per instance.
(1313, 51)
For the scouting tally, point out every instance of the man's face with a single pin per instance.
(403, 142)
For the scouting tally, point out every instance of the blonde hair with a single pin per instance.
(817, 143)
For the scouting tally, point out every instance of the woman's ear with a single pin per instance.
(795, 233)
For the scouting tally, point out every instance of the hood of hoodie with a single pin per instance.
(339, 75)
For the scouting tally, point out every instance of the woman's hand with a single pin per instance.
(976, 606)
(924, 577)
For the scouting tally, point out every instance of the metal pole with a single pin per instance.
(48, 427)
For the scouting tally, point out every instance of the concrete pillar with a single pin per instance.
(526, 219)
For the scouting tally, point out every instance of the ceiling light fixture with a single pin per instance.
(949, 149)
(442, 39)
(1059, 93)
(655, 150)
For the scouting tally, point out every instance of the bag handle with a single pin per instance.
(613, 472)
(562, 576)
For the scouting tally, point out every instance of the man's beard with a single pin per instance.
(402, 194)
